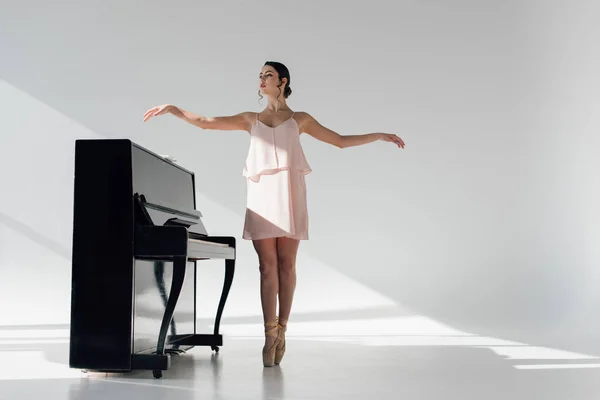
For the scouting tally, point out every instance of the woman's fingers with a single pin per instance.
(150, 113)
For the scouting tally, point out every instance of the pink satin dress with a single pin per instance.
(276, 203)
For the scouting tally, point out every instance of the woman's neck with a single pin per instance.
(277, 106)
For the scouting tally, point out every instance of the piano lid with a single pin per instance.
(168, 189)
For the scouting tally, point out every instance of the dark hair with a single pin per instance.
(283, 72)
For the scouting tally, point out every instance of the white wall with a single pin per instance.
(487, 221)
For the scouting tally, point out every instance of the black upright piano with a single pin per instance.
(137, 237)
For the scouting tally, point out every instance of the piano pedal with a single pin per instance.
(215, 348)
(175, 351)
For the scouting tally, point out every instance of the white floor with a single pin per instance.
(411, 357)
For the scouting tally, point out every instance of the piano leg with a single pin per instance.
(229, 270)
(159, 271)
(215, 339)
(160, 361)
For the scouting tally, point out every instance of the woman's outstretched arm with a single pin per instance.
(311, 126)
(241, 121)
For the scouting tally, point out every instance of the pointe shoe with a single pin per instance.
(271, 330)
(280, 349)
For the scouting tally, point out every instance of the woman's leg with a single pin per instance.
(269, 281)
(286, 259)
(287, 249)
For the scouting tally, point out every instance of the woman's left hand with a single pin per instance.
(390, 137)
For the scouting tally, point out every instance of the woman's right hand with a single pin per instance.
(158, 110)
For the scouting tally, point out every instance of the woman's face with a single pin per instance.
(268, 81)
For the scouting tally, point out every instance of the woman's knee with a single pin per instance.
(287, 249)
(268, 268)
(267, 258)
(286, 265)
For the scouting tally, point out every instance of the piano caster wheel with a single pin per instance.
(84, 371)
(215, 348)
(157, 373)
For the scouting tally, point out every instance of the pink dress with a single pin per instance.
(276, 190)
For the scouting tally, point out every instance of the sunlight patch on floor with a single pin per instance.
(557, 366)
(395, 326)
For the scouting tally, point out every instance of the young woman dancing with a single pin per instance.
(276, 214)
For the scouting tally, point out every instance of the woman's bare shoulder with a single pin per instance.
(302, 119)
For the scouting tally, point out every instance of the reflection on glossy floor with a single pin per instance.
(411, 358)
